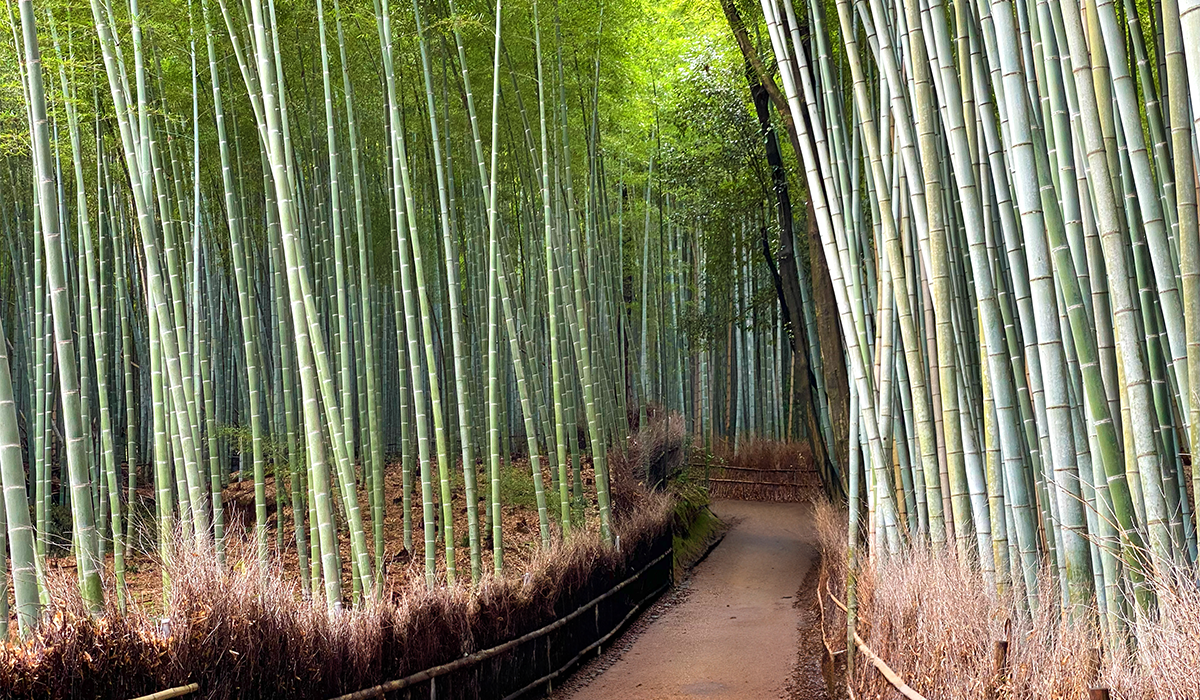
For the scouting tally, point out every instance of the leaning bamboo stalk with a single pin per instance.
(456, 333)
(493, 343)
(82, 513)
(410, 280)
(306, 351)
(1183, 36)
(20, 532)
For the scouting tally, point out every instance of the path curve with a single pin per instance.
(737, 632)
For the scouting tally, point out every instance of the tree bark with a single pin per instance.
(785, 274)
(785, 271)
(829, 335)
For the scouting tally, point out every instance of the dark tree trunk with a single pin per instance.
(785, 270)
(829, 335)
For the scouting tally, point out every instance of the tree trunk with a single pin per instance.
(785, 271)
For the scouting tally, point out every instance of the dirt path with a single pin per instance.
(736, 632)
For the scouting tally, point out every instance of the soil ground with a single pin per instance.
(734, 628)
(402, 568)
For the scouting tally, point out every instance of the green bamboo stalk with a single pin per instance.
(407, 245)
(375, 455)
(20, 532)
(82, 514)
(460, 377)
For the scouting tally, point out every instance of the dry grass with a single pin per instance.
(764, 454)
(1166, 662)
(651, 457)
(242, 630)
(764, 470)
(935, 622)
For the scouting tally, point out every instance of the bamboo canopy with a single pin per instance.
(310, 246)
(953, 247)
(1005, 195)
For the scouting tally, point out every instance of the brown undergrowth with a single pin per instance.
(936, 622)
(763, 470)
(242, 630)
(650, 458)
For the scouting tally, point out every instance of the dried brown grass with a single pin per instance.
(242, 630)
(764, 470)
(936, 622)
(765, 454)
(650, 457)
(1166, 661)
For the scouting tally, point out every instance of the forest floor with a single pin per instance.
(403, 568)
(743, 625)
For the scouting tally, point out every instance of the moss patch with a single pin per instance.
(696, 527)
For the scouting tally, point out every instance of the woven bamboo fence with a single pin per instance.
(784, 483)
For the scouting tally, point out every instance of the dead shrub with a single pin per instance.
(651, 456)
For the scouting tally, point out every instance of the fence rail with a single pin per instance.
(880, 665)
(766, 470)
(478, 657)
(762, 484)
(767, 483)
(514, 673)
(171, 692)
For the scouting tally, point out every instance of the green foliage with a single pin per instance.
(516, 483)
(670, 82)
(638, 79)
(693, 543)
(59, 529)
(712, 155)
(275, 449)
(694, 524)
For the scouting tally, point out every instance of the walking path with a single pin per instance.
(736, 634)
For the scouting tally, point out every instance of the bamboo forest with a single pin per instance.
(415, 348)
